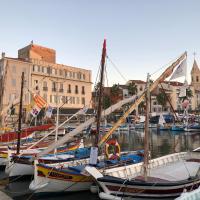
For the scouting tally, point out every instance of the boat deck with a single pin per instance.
(178, 171)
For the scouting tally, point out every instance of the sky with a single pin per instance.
(142, 35)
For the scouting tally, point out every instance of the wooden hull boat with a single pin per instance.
(21, 165)
(57, 177)
(168, 177)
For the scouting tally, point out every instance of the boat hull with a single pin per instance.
(52, 180)
(143, 190)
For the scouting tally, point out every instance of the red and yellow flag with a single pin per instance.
(39, 101)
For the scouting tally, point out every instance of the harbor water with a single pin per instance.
(161, 143)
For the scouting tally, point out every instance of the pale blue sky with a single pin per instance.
(142, 35)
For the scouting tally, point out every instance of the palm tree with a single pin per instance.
(141, 107)
(132, 89)
(161, 99)
(115, 90)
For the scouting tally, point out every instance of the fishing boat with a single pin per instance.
(163, 177)
(22, 165)
(69, 176)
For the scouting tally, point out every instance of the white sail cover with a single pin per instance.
(180, 70)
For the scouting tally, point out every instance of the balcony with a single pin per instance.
(45, 88)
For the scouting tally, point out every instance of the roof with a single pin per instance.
(137, 81)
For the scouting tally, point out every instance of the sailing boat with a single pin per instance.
(162, 177)
(67, 176)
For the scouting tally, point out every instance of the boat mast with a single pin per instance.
(99, 109)
(146, 135)
(20, 114)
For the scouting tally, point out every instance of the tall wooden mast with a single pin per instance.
(146, 135)
(100, 96)
(20, 114)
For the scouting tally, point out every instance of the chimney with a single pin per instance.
(3, 55)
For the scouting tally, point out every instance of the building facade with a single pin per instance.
(59, 85)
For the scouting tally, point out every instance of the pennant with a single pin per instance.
(49, 112)
(35, 111)
(180, 70)
(39, 101)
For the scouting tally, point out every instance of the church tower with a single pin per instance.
(195, 76)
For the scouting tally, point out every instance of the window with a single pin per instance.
(70, 74)
(45, 88)
(66, 74)
(197, 79)
(69, 88)
(83, 100)
(83, 90)
(141, 88)
(50, 98)
(42, 69)
(73, 100)
(83, 76)
(74, 74)
(49, 70)
(61, 87)
(36, 84)
(76, 89)
(61, 72)
(54, 86)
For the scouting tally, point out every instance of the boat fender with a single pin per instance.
(94, 189)
(103, 195)
(116, 154)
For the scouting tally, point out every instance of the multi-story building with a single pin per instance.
(58, 84)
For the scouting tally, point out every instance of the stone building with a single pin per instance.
(58, 84)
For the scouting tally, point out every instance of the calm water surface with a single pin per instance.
(161, 143)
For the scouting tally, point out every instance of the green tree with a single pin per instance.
(106, 102)
(132, 89)
(115, 90)
(161, 99)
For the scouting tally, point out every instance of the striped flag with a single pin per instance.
(39, 101)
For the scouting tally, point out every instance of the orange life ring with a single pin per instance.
(116, 153)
